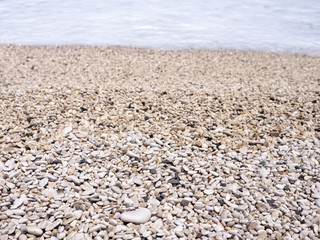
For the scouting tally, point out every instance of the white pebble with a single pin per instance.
(263, 173)
(218, 228)
(140, 215)
(158, 141)
(154, 202)
(77, 214)
(128, 202)
(49, 192)
(51, 177)
(208, 191)
(315, 195)
(66, 130)
(17, 203)
(157, 224)
(53, 225)
(43, 182)
(137, 181)
(74, 179)
(22, 237)
(132, 154)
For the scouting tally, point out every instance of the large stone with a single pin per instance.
(138, 216)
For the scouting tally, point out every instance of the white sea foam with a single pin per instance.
(272, 25)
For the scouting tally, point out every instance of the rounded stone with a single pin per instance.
(138, 216)
(34, 230)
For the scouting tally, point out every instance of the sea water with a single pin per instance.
(268, 25)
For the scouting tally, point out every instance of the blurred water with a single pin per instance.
(271, 25)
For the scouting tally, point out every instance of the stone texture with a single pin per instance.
(215, 144)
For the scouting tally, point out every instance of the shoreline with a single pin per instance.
(209, 144)
(301, 52)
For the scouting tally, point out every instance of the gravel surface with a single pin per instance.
(124, 143)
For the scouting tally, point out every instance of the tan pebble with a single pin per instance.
(262, 234)
(253, 224)
(47, 147)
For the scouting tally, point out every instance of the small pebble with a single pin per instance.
(34, 230)
(208, 191)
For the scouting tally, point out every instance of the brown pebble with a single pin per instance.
(199, 235)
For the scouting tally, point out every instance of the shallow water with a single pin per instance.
(271, 25)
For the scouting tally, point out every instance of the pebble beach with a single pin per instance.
(129, 143)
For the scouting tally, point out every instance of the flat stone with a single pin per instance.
(77, 214)
(88, 192)
(116, 189)
(43, 182)
(128, 202)
(17, 203)
(79, 236)
(66, 130)
(18, 212)
(138, 216)
(95, 199)
(158, 141)
(50, 192)
(61, 235)
(238, 158)
(10, 185)
(315, 195)
(179, 234)
(43, 224)
(208, 191)
(154, 202)
(218, 228)
(94, 228)
(263, 172)
(137, 181)
(157, 224)
(53, 225)
(132, 154)
(168, 162)
(51, 177)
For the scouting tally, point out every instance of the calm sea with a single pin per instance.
(269, 25)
